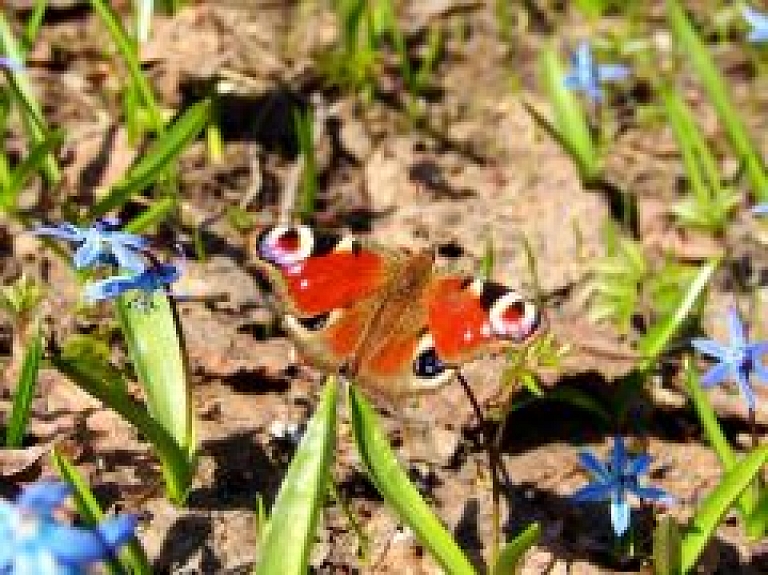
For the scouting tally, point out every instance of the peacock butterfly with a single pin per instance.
(383, 316)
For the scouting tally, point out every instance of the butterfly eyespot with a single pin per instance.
(513, 317)
(316, 322)
(427, 364)
(287, 245)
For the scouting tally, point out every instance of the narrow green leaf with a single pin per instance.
(104, 383)
(25, 392)
(33, 24)
(32, 114)
(155, 344)
(667, 547)
(303, 125)
(393, 485)
(158, 158)
(713, 432)
(712, 510)
(30, 164)
(657, 338)
(130, 54)
(512, 552)
(757, 521)
(153, 215)
(570, 123)
(132, 558)
(291, 530)
(697, 54)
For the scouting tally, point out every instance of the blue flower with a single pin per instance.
(100, 244)
(34, 542)
(615, 478)
(760, 209)
(758, 23)
(739, 360)
(148, 281)
(10, 64)
(586, 75)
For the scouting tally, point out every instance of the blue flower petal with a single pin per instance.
(572, 81)
(761, 371)
(716, 374)
(88, 253)
(639, 465)
(66, 232)
(44, 496)
(128, 259)
(612, 72)
(620, 513)
(758, 21)
(38, 561)
(109, 288)
(618, 456)
(117, 530)
(746, 390)
(653, 494)
(593, 492)
(132, 240)
(709, 347)
(593, 465)
(736, 328)
(74, 546)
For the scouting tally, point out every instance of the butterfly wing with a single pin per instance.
(446, 322)
(384, 316)
(467, 317)
(327, 288)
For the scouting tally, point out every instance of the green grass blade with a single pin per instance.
(696, 52)
(25, 392)
(393, 485)
(714, 433)
(32, 113)
(712, 510)
(29, 165)
(155, 344)
(33, 23)
(757, 522)
(512, 552)
(667, 547)
(158, 158)
(129, 52)
(132, 558)
(570, 123)
(104, 383)
(303, 124)
(154, 214)
(291, 530)
(657, 338)
(685, 133)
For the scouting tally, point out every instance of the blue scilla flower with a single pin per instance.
(33, 542)
(10, 64)
(738, 360)
(587, 76)
(102, 243)
(153, 278)
(614, 479)
(758, 23)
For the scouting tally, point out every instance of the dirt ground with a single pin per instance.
(480, 169)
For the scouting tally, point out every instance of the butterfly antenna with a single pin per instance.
(473, 400)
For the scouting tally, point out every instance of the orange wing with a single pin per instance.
(465, 316)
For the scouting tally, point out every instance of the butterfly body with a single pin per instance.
(385, 316)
